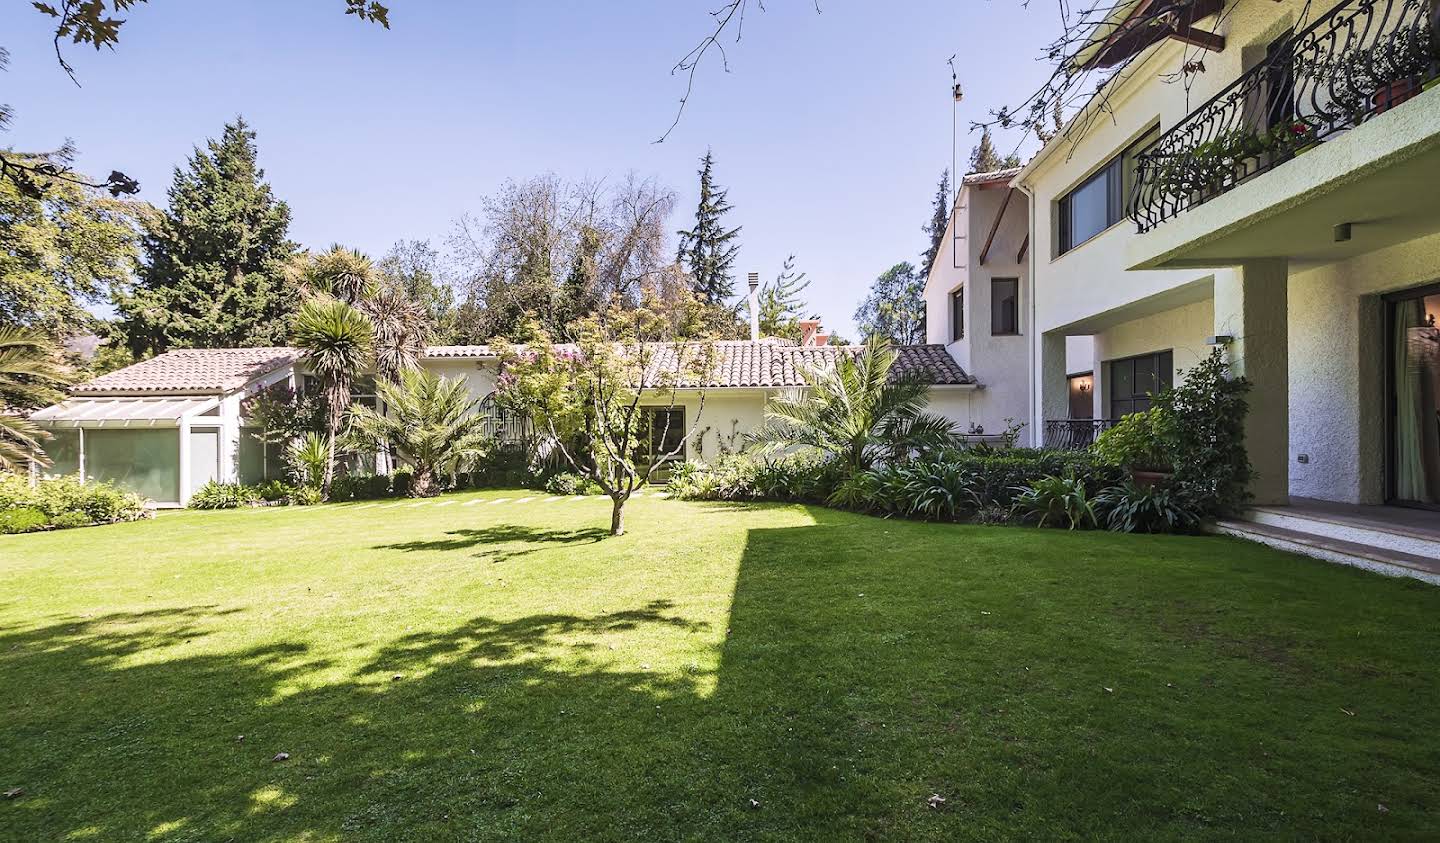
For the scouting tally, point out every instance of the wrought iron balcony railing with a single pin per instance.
(1360, 59)
(1074, 434)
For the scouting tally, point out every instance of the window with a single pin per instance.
(1100, 201)
(1004, 306)
(1133, 380)
(957, 315)
(662, 433)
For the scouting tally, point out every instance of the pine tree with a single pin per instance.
(939, 218)
(984, 158)
(708, 251)
(214, 273)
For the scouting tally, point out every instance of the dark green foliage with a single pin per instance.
(708, 250)
(1201, 423)
(214, 271)
(217, 495)
(70, 520)
(999, 473)
(99, 503)
(746, 477)
(1134, 442)
(782, 305)
(895, 307)
(1053, 501)
(1131, 508)
(939, 219)
(360, 487)
(23, 519)
(569, 483)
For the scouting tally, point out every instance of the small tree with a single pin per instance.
(337, 340)
(854, 412)
(595, 399)
(782, 305)
(1200, 424)
(433, 423)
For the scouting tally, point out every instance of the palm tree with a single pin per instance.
(31, 375)
(433, 422)
(855, 412)
(342, 273)
(337, 340)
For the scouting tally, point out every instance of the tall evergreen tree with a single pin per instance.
(939, 218)
(214, 273)
(984, 158)
(708, 250)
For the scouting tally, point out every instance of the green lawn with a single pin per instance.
(501, 671)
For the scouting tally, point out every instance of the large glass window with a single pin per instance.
(63, 449)
(662, 433)
(1133, 380)
(1100, 201)
(146, 461)
(1415, 376)
(957, 315)
(1004, 306)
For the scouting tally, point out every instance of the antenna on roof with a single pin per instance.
(957, 94)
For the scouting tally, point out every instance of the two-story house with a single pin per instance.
(1282, 203)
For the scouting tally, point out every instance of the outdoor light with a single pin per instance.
(1342, 232)
(1219, 339)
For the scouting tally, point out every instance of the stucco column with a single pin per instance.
(1052, 398)
(1251, 305)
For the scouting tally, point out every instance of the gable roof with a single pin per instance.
(1004, 175)
(192, 370)
(767, 364)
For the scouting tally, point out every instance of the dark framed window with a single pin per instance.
(957, 315)
(1133, 380)
(1101, 200)
(663, 432)
(1004, 306)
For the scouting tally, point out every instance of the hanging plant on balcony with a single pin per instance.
(1208, 167)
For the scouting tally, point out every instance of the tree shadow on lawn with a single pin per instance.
(911, 663)
(531, 540)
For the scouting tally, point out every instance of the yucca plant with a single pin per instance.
(855, 413)
(31, 375)
(433, 423)
(307, 458)
(338, 341)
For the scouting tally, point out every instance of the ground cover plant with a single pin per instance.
(477, 667)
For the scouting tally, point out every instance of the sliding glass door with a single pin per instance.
(1414, 368)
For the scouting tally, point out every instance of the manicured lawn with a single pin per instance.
(501, 671)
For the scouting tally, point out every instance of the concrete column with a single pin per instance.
(1251, 305)
(1052, 397)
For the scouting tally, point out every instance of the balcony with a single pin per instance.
(1074, 434)
(1360, 60)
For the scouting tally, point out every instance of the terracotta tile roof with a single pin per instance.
(202, 370)
(767, 364)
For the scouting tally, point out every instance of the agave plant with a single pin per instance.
(433, 423)
(308, 458)
(337, 340)
(30, 376)
(855, 412)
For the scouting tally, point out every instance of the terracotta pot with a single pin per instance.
(1393, 94)
(1149, 479)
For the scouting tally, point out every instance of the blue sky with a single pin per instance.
(830, 130)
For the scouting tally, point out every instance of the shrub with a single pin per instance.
(994, 516)
(102, 503)
(1134, 442)
(73, 518)
(304, 496)
(1056, 500)
(996, 475)
(275, 491)
(360, 487)
(216, 495)
(503, 466)
(401, 482)
(1130, 508)
(1202, 426)
(568, 483)
(308, 458)
(792, 477)
(22, 519)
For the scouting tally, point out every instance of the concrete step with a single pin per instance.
(1354, 529)
(1381, 560)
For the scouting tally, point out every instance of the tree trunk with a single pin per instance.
(617, 515)
(329, 476)
(422, 483)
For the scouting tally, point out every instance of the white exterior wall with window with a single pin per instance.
(1305, 311)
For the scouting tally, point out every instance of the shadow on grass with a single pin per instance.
(528, 539)
(833, 703)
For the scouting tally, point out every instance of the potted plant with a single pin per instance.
(1134, 444)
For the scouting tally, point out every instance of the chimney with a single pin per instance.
(822, 338)
(754, 279)
(810, 332)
